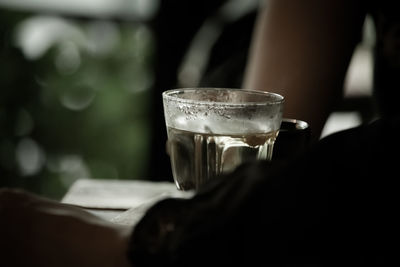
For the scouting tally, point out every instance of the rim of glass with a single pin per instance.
(172, 95)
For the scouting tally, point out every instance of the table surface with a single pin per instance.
(120, 201)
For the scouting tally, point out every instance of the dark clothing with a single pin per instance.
(387, 56)
(336, 205)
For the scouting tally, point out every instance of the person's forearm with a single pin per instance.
(301, 49)
(36, 231)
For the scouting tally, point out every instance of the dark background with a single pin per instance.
(80, 91)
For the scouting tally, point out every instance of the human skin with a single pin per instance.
(40, 232)
(301, 50)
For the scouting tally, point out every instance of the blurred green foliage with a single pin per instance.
(74, 101)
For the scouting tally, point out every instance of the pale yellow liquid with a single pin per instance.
(197, 157)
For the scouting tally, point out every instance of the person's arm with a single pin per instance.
(301, 49)
(35, 231)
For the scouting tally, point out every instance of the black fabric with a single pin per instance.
(387, 56)
(333, 206)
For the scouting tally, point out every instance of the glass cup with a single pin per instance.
(213, 130)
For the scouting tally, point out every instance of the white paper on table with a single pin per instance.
(134, 196)
(116, 194)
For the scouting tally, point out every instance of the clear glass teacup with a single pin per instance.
(213, 130)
